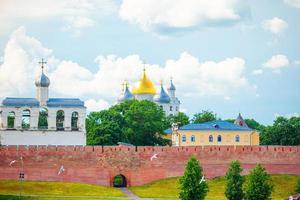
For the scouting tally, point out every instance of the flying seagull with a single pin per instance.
(12, 162)
(154, 156)
(202, 180)
(61, 170)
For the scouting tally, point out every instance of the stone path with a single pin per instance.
(131, 195)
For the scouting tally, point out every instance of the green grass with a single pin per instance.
(11, 187)
(9, 197)
(169, 188)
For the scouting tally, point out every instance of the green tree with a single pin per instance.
(135, 122)
(254, 124)
(297, 188)
(180, 118)
(144, 123)
(190, 183)
(234, 184)
(251, 123)
(259, 186)
(204, 116)
(284, 131)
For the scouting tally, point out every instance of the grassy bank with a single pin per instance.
(169, 188)
(12, 187)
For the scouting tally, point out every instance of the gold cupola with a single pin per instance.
(145, 86)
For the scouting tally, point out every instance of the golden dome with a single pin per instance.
(145, 86)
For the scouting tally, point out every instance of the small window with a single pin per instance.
(176, 108)
(219, 138)
(183, 138)
(237, 138)
(193, 138)
(171, 108)
(211, 138)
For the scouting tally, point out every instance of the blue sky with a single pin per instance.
(229, 57)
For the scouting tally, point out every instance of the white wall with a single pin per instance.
(14, 137)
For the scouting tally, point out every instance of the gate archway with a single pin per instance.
(119, 181)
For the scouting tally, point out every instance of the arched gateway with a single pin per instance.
(119, 181)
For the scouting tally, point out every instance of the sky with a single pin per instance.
(226, 56)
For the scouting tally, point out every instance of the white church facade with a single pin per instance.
(42, 120)
(147, 91)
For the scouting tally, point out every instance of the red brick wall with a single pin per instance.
(98, 165)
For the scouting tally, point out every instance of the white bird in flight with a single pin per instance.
(12, 162)
(61, 170)
(154, 156)
(202, 179)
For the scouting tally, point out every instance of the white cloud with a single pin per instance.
(93, 105)
(178, 14)
(275, 25)
(294, 3)
(70, 79)
(75, 14)
(20, 63)
(276, 63)
(257, 72)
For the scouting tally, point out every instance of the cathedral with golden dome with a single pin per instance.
(145, 90)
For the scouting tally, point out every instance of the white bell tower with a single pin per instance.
(42, 83)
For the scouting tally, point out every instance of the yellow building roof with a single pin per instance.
(145, 86)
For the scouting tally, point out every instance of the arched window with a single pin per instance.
(171, 108)
(237, 138)
(210, 138)
(26, 119)
(43, 119)
(60, 119)
(193, 138)
(183, 138)
(219, 138)
(11, 120)
(74, 121)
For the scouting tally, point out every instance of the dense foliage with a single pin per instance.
(259, 186)
(251, 123)
(181, 118)
(191, 186)
(234, 182)
(143, 122)
(204, 116)
(134, 122)
(284, 131)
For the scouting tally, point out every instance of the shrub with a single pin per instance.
(234, 182)
(190, 183)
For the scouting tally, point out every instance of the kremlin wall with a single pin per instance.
(139, 165)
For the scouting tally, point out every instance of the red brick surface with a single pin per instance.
(98, 165)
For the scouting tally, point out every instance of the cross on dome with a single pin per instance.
(42, 63)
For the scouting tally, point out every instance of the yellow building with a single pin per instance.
(215, 133)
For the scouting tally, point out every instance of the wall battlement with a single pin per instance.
(80, 148)
(99, 164)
